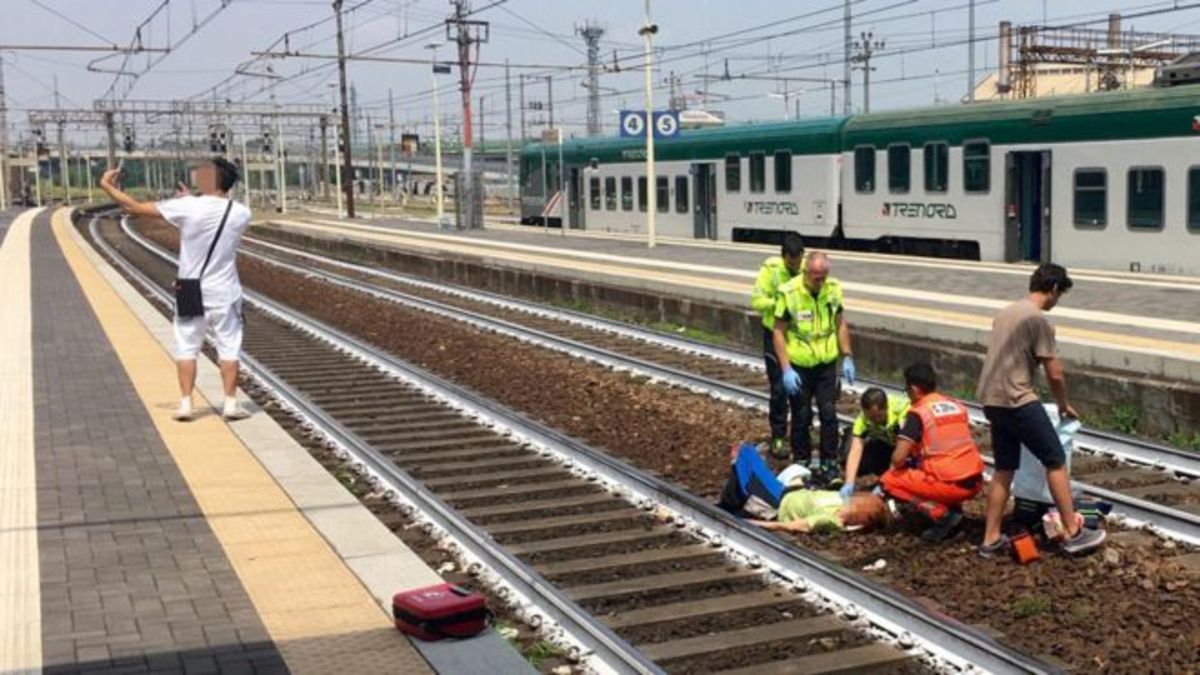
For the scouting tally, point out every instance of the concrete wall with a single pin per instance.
(1162, 407)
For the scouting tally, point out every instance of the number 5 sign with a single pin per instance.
(633, 123)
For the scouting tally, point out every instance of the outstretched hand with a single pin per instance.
(109, 178)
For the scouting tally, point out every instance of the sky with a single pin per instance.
(922, 61)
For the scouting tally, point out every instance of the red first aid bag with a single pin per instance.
(440, 611)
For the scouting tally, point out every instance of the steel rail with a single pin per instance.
(1167, 521)
(597, 640)
(1120, 446)
(942, 636)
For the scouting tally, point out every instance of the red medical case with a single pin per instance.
(440, 611)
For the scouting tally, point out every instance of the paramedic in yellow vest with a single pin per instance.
(774, 273)
(811, 332)
(868, 443)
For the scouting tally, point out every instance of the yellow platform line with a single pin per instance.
(20, 579)
(303, 592)
(1067, 334)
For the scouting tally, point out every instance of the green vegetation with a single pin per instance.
(1182, 440)
(1082, 611)
(1030, 605)
(1124, 418)
(962, 393)
(540, 651)
(692, 333)
(586, 307)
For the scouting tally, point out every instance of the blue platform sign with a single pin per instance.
(633, 123)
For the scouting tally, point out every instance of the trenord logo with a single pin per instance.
(919, 210)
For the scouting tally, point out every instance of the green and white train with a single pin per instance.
(1105, 181)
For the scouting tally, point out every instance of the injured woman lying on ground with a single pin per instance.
(785, 503)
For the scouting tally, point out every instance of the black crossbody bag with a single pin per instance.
(189, 301)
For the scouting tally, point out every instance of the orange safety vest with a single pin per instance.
(948, 452)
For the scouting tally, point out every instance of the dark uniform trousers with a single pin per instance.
(820, 382)
(777, 412)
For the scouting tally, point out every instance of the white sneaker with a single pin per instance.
(234, 411)
(183, 413)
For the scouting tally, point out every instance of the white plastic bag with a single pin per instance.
(1030, 480)
(794, 474)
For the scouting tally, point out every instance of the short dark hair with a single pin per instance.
(921, 376)
(1049, 277)
(793, 245)
(873, 397)
(227, 173)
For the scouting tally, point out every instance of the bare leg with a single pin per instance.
(997, 503)
(1059, 482)
(187, 376)
(229, 373)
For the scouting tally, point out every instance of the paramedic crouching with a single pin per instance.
(210, 228)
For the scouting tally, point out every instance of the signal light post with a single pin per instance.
(647, 31)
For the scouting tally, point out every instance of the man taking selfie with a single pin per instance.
(208, 293)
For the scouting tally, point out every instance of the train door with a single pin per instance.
(704, 203)
(1027, 207)
(574, 199)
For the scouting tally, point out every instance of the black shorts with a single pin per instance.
(1028, 425)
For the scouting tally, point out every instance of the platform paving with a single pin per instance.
(132, 577)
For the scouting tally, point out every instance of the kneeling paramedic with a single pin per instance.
(936, 466)
(811, 332)
(774, 273)
(872, 436)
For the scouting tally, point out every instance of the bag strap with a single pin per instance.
(217, 236)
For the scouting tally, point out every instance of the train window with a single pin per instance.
(681, 194)
(626, 193)
(610, 194)
(937, 166)
(977, 166)
(733, 172)
(1091, 198)
(1193, 222)
(864, 169)
(899, 167)
(662, 199)
(594, 193)
(758, 172)
(642, 198)
(1146, 186)
(783, 171)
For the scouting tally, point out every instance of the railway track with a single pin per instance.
(639, 575)
(1148, 483)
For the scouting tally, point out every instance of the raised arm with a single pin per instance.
(108, 183)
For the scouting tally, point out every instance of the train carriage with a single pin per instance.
(1107, 181)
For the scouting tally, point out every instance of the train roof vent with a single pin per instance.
(1183, 70)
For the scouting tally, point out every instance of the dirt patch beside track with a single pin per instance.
(1129, 609)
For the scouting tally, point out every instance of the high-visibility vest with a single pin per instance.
(948, 451)
(771, 277)
(812, 338)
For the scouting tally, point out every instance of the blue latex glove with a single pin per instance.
(849, 372)
(791, 382)
(846, 491)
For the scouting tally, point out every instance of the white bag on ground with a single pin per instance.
(1030, 480)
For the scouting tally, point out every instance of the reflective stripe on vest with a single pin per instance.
(812, 332)
(948, 451)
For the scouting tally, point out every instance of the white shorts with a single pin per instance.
(224, 324)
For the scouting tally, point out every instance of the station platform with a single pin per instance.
(1137, 323)
(130, 543)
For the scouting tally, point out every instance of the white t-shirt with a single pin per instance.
(198, 219)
